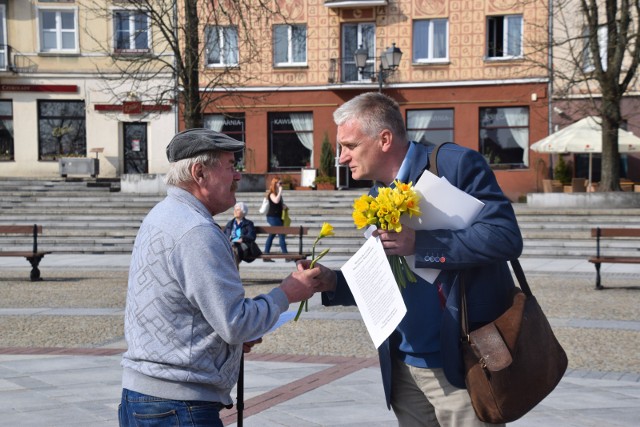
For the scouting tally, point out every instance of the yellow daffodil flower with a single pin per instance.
(385, 211)
(325, 231)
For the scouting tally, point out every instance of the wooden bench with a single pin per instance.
(599, 233)
(33, 256)
(296, 231)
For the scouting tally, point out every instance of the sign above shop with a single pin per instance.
(38, 88)
(133, 108)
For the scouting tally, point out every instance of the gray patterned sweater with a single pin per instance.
(186, 313)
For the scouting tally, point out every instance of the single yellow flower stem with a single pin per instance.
(305, 303)
(295, 319)
(323, 253)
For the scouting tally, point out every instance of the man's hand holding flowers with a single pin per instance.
(398, 242)
(384, 211)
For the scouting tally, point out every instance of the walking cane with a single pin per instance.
(240, 391)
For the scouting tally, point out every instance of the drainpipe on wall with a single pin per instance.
(551, 77)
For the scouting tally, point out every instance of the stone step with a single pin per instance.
(78, 218)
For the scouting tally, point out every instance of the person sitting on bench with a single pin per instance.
(242, 234)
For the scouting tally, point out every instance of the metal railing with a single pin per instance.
(15, 61)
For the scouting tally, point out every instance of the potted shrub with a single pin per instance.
(326, 179)
(323, 182)
(288, 182)
(562, 171)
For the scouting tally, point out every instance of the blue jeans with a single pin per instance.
(141, 410)
(274, 220)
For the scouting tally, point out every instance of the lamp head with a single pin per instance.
(360, 56)
(393, 56)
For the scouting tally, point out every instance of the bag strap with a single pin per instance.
(515, 264)
(522, 281)
(433, 159)
(464, 316)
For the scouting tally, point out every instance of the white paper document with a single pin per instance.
(442, 206)
(285, 317)
(374, 288)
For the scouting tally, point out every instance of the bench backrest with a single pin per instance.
(279, 229)
(615, 232)
(23, 229)
(20, 229)
(612, 232)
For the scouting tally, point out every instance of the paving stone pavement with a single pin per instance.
(79, 386)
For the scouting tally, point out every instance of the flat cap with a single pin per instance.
(191, 142)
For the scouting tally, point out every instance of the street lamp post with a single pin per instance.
(389, 62)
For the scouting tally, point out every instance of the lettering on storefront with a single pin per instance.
(38, 88)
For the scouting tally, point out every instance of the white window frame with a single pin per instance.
(222, 41)
(371, 60)
(58, 31)
(588, 64)
(431, 37)
(132, 31)
(290, 42)
(506, 19)
(4, 57)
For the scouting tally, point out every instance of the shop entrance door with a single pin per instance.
(135, 147)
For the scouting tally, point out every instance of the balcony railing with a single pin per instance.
(15, 61)
(340, 72)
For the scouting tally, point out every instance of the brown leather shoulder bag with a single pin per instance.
(514, 362)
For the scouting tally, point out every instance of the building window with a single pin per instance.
(587, 58)
(58, 30)
(430, 126)
(504, 136)
(61, 129)
(232, 125)
(290, 45)
(6, 131)
(222, 45)
(3, 37)
(354, 36)
(130, 31)
(504, 36)
(430, 40)
(290, 141)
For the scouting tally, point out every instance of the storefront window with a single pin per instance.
(290, 141)
(6, 131)
(504, 136)
(232, 125)
(430, 126)
(61, 129)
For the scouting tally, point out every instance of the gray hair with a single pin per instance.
(243, 207)
(375, 112)
(180, 172)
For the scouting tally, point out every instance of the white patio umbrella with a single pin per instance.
(584, 136)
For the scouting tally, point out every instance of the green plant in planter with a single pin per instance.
(327, 159)
(324, 179)
(288, 182)
(562, 172)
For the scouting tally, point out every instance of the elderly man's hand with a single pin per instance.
(302, 284)
(246, 347)
(326, 276)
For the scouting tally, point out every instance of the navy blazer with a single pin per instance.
(479, 253)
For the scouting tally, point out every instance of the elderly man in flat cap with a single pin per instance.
(187, 317)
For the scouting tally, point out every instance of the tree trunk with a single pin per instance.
(610, 167)
(191, 85)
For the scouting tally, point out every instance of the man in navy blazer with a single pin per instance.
(421, 363)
